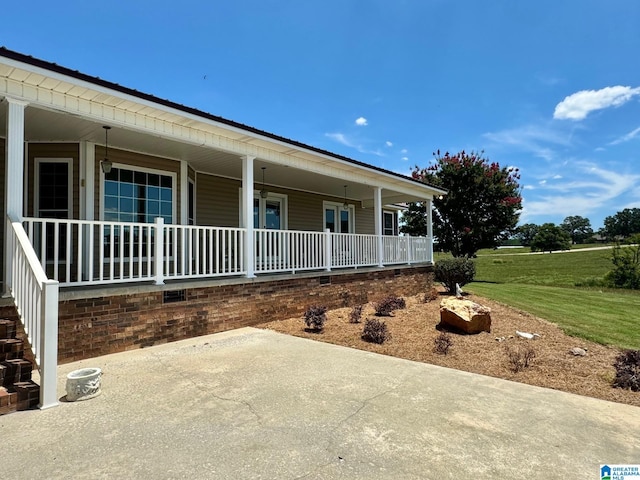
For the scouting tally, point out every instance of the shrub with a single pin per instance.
(385, 307)
(430, 296)
(520, 357)
(442, 343)
(315, 316)
(450, 271)
(375, 331)
(626, 266)
(627, 367)
(355, 314)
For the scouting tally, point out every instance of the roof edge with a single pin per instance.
(54, 67)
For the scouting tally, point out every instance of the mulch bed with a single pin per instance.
(413, 332)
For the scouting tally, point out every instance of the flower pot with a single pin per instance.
(83, 384)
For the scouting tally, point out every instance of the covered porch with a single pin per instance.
(104, 185)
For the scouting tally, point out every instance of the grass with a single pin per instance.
(545, 285)
(605, 317)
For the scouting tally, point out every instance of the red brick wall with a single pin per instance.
(98, 326)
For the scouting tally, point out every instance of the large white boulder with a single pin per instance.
(465, 315)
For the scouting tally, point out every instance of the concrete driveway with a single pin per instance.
(253, 404)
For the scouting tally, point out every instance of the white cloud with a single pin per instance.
(343, 139)
(581, 197)
(625, 138)
(532, 138)
(557, 177)
(528, 187)
(361, 121)
(600, 149)
(404, 150)
(388, 143)
(578, 105)
(405, 159)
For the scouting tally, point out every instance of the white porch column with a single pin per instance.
(184, 193)
(428, 207)
(87, 198)
(247, 213)
(377, 213)
(14, 173)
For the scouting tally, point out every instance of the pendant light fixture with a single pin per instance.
(263, 192)
(106, 163)
(345, 205)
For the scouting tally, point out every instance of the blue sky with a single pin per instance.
(552, 87)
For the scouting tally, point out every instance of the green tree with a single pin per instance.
(550, 237)
(578, 228)
(526, 233)
(626, 265)
(414, 220)
(481, 208)
(623, 224)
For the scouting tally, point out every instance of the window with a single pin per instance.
(138, 196)
(337, 218)
(389, 224)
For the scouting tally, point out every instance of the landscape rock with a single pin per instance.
(528, 336)
(465, 315)
(578, 352)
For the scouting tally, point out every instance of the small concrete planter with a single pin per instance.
(83, 384)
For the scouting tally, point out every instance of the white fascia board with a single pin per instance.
(155, 121)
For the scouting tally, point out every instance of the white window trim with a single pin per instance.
(256, 195)
(125, 166)
(340, 206)
(191, 181)
(36, 194)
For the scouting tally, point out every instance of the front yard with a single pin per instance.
(413, 332)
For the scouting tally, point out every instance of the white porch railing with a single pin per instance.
(288, 250)
(83, 252)
(36, 300)
(353, 250)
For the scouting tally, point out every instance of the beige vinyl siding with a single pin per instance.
(217, 201)
(133, 159)
(53, 150)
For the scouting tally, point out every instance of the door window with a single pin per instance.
(338, 219)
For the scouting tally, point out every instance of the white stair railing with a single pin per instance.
(36, 300)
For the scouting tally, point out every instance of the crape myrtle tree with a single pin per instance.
(480, 210)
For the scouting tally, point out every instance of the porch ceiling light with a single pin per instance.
(345, 205)
(106, 163)
(263, 192)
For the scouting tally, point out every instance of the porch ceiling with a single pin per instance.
(42, 125)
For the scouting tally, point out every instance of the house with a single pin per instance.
(133, 220)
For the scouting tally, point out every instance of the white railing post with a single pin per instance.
(409, 242)
(377, 211)
(49, 345)
(327, 250)
(429, 230)
(159, 253)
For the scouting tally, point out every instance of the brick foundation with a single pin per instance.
(89, 327)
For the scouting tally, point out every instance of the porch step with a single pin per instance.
(17, 390)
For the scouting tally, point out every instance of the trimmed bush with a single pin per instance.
(458, 270)
(386, 306)
(626, 266)
(375, 331)
(520, 357)
(627, 367)
(315, 316)
(355, 314)
(442, 343)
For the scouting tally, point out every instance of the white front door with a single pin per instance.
(268, 214)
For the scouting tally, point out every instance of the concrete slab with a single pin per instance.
(253, 404)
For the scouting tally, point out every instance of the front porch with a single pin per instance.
(187, 213)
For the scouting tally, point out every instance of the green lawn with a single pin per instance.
(545, 285)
